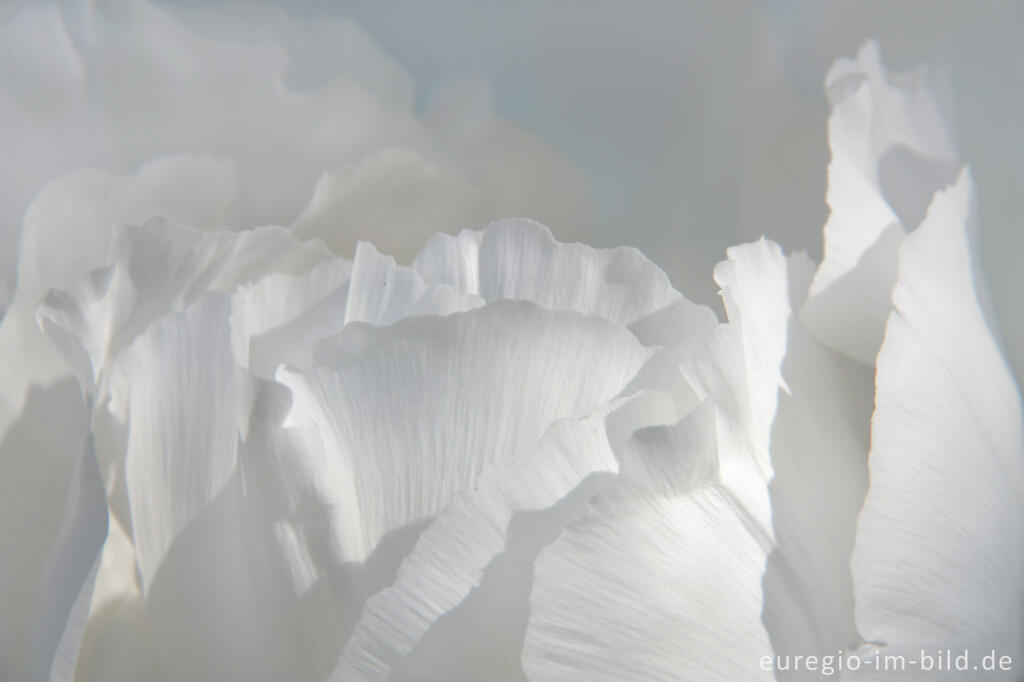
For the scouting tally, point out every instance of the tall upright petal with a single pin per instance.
(891, 150)
(939, 556)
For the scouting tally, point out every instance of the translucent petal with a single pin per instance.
(662, 579)
(436, 399)
(65, 590)
(939, 560)
(519, 259)
(819, 456)
(891, 150)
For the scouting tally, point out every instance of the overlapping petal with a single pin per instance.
(512, 458)
(662, 578)
(939, 557)
(891, 150)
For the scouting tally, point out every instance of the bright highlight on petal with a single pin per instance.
(939, 558)
(258, 424)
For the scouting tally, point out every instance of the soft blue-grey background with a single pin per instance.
(701, 124)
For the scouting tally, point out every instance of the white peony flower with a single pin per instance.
(241, 455)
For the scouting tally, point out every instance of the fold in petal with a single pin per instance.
(82, 210)
(819, 456)
(451, 555)
(650, 587)
(178, 386)
(436, 399)
(662, 579)
(159, 268)
(891, 150)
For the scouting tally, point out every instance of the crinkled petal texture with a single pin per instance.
(511, 459)
(119, 112)
(662, 578)
(375, 454)
(939, 558)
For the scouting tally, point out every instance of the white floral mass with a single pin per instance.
(240, 441)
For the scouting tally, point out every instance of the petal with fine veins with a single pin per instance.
(520, 259)
(939, 556)
(450, 556)
(436, 399)
(177, 388)
(159, 268)
(382, 292)
(662, 580)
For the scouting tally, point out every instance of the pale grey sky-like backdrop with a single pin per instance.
(697, 125)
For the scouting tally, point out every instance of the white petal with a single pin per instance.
(890, 152)
(451, 555)
(159, 268)
(436, 399)
(652, 587)
(217, 607)
(939, 557)
(262, 545)
(80, 213)
(38, 453)
(819, 457)
(209, 567)
(285, 315)
(425, 407)
(520, 259)
(65, 590)
(180, 405)
(738, 366)
(81, 210)
(382, 293)
(178, 386)
(662, 580)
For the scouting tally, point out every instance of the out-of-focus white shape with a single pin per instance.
(67, 234)
(66, 588)
(159, 268)
(384, 196)
(939, 556)
(490, 170)
(891, 150)
(284, 99)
